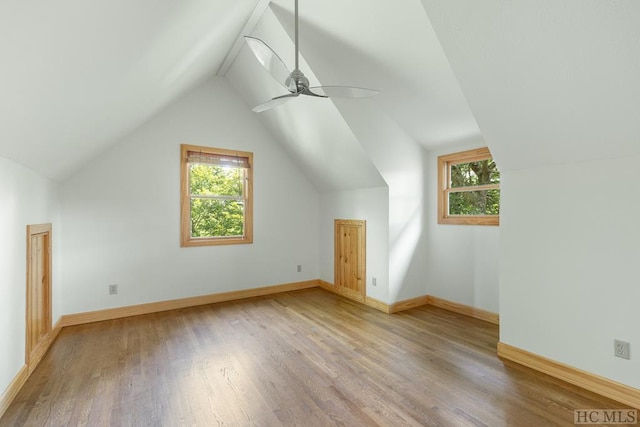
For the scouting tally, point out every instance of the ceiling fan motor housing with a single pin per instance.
(297, 82)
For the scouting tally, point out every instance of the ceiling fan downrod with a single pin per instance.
(297, 82)
(296, 34)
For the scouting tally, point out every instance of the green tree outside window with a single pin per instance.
(217, 203)
(474, 202)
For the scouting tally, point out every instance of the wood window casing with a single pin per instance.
(444, 188)
(186, 238)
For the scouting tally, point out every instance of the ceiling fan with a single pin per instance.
(295, 81)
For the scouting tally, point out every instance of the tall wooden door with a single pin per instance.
(38, 292)
(350, 258)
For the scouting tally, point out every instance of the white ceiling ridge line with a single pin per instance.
(253, 20)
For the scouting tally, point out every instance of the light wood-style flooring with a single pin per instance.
(308, 358)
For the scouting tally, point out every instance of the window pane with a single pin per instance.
(217, 218)
(474, 173)
(215, 180)
(484, 202)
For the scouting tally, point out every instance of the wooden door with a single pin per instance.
(350, 259)
(38, 293)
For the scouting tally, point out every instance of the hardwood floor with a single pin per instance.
(307, 358)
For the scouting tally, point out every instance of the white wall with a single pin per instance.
(25, 198)
(400, 161)
(569, 264)
(371, 205)
(554, 91)
(457, 263)
(462, 260)
(122, 212)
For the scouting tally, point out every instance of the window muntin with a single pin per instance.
(216, 196)
(469, 188)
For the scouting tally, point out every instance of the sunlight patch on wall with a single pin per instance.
(403, 249)
(405, 224)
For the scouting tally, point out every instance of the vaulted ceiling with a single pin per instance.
(77, 75)
(549, 81)
(389, 46)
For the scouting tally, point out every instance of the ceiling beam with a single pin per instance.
(261, 6)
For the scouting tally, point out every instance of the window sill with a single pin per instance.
(470, 220)
(215, 242)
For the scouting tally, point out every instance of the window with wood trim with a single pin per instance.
(216, 196)
(468, 188)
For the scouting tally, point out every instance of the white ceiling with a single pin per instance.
(312, 131)
(549, 82)
(546, 81)
(76, 75)
(389, 46)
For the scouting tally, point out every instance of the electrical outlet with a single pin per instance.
(299, 268)
(621, 349)
(113, 289)
(374, 281)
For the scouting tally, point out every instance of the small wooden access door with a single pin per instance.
(38, 293)
(350, 258)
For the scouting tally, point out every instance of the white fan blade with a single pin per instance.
(343, 91)
(269, 59)
(272, 103)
